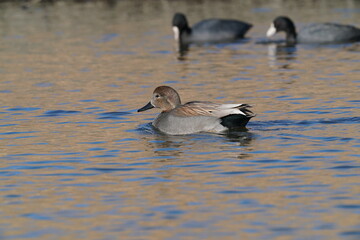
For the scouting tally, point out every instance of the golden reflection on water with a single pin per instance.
(64, 46)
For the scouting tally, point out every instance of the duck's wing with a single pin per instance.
(222, 25)
(199, 108)
(329, 32)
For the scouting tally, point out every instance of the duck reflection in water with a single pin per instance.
(281, 55)
(175, 146)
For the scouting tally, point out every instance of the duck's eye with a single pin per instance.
(157, 95)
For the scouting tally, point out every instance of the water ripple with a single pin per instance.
(111, 169)
(25, 109)
(342, 120)
(113, 115)
(58, 113)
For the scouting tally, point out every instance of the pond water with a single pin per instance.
(78, 162)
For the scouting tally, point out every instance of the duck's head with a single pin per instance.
(179, 25)
(282, 24)
(164, 97)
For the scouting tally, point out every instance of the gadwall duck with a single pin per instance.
(314, 33)
(196, 116)
(209, 30)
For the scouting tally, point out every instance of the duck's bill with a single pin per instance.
(176, 33)
(146, 107)
(271, 31)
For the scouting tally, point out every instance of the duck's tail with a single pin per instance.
(238, 121)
